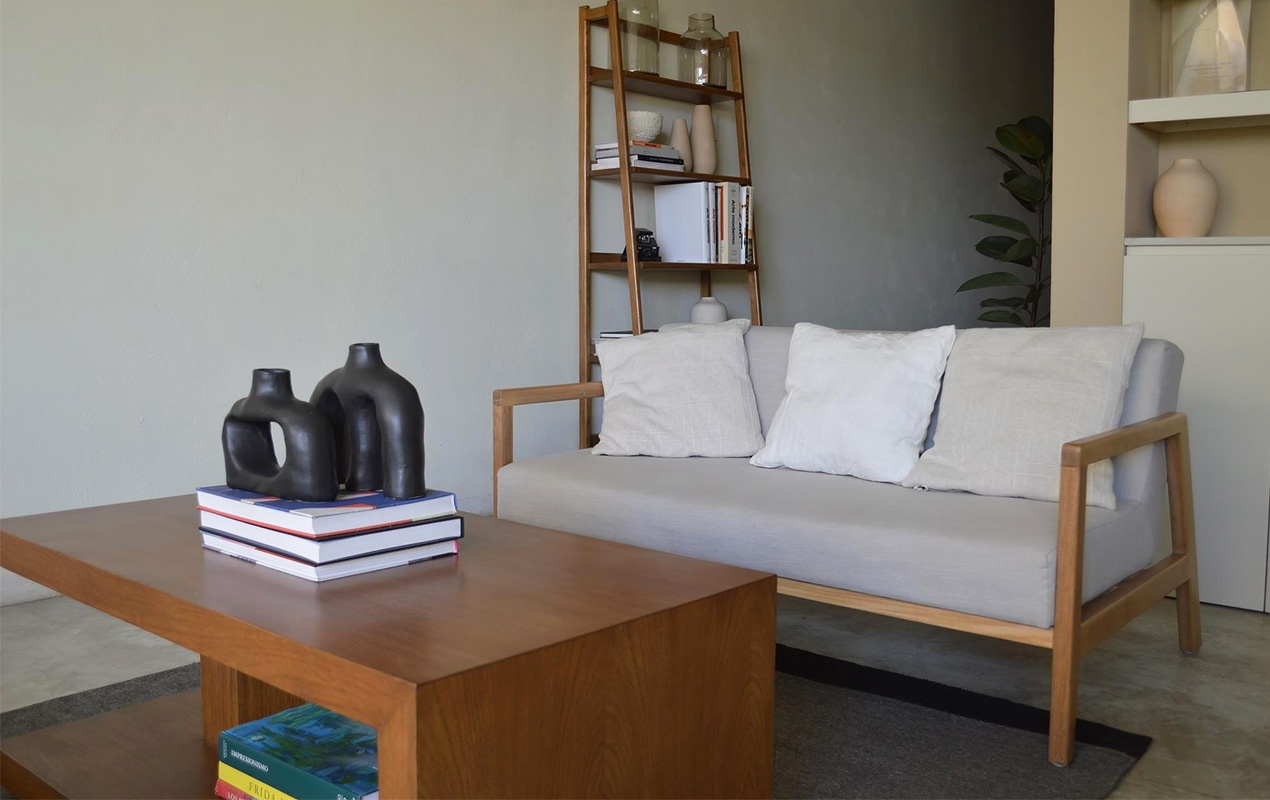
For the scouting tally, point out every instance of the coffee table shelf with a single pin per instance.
(150, 750)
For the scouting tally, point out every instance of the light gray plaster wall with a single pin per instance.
(189, 190)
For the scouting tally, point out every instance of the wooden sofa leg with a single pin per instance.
(1177, 457)
(1063, 675)
(1188, 637)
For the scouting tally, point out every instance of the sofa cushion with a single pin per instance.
(991, 556)
(1012, 397)
(856, 403)
(680, 392)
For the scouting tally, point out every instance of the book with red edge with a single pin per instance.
(331, 570)
(347, 513)
(227, 791)
(334, 548)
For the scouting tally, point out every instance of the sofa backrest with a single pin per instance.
(1153, 385)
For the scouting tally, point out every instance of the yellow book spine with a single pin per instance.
(249, 785)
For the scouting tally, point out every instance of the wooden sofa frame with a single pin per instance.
(1078, 627)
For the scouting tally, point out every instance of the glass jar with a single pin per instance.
(639, 33)
(699, 62)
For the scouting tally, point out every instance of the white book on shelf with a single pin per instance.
(636, 161)
(679, 209)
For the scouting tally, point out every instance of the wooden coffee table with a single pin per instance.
(536, 663)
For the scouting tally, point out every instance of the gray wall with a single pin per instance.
(190, 190)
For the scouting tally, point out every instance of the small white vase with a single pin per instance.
(1185, 199)
(704, 157)
(708, 309)
(680, 141)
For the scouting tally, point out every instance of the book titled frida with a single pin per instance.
(308, 752)
(347, 513)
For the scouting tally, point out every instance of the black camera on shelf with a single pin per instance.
(645, 245)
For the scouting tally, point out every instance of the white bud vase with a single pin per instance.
(680, 141)
(704, 157)
(708, 309)
(1185, 199)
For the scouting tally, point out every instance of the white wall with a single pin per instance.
(191, 190)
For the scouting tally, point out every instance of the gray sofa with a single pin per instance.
(988, 564)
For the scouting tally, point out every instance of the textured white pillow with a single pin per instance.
(679, 392)
(856, 403)
(1011, 399)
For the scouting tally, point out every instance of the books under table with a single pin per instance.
(304, 752)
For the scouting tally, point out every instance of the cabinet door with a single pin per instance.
(1214, 308)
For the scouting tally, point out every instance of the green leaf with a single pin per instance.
(995, 247)
(1005, 159)
(990, 279)
(1038, 127)
(1009, 223)
(1008, 317)
(1018, 139)
(1025, 188)
(1021, 252)
(1003, 302)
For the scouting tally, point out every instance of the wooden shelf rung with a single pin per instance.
(612, 262)
(657, 86)
(649, 175)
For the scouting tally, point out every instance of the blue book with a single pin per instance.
(347, 513)
(307, 752)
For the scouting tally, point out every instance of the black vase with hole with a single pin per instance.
(250, 461)
(378, 424)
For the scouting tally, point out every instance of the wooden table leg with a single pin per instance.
(231, 698)
(399, 752)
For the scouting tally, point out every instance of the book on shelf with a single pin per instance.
(306, 751)
(651, 147)
(679, 209)
(232, 784)
(334, 548)
(638, 161)
(658, 151)
(347, 513)
(330, 570)
(615, 334)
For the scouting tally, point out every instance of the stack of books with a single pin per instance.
(352, 534)
(643, 154)
(306, 752)
(705, 222)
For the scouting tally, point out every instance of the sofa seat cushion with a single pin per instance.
(993, 556)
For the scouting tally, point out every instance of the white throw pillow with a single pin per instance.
(1013, 397)
(679, 392)
(856, 403)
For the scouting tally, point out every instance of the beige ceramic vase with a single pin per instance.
(1185, 199)
(680, 141)
(704, 156)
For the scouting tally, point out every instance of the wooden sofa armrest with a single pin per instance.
(1078, 626)
(505, 402)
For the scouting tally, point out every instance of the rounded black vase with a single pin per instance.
(378, 424)
(250, 460)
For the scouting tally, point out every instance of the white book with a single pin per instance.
(732, 229)
(333, 548)
(335, 569)
(636, 161)
(714, 224)
(659, 151)
(679, 210)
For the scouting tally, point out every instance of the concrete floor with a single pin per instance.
(1209, 713)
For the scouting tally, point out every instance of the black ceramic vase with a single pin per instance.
(250, 460)
(378, 424)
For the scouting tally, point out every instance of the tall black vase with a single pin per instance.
(250, 460)
(378, 423)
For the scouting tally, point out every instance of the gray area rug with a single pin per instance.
(842, 730)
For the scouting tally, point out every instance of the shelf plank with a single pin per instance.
(1202, 112)
(649, 175)
(152, 749)
(613, 262)
(657, 86)
(1198, 246)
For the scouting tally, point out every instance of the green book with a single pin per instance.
(307, 752)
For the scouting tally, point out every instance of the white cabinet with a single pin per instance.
(1212, 302)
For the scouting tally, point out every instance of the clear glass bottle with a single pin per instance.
(637, 24)
(699, 62)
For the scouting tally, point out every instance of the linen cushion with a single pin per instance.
(991, 556)
(679, 392)
(856, 403)
(1012, 398)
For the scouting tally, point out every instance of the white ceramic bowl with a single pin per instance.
(643, 126)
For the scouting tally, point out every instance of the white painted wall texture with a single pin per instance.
(189, 190)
